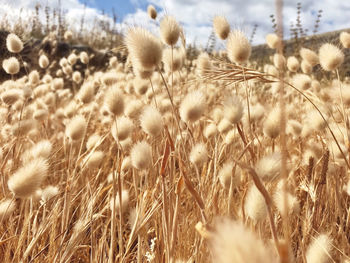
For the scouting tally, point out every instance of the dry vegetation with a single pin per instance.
(167, 159)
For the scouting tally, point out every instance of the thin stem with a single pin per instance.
(171, 101)
(120, 188)
(154, 94)
(166, 219)
(324, 119)
(241, 134)
(112, 242)
(267, 199)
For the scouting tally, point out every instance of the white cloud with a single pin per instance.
(73, 10)
(196, 16)
(140, 18)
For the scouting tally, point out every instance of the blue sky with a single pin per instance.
(196, 15)
(121, 7)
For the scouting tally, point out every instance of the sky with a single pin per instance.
(196, 15)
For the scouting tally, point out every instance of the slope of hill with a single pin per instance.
(262, 53)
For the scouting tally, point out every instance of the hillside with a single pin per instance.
(262, 53)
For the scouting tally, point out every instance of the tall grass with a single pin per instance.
(166, 159)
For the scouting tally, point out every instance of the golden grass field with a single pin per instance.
(163, 158)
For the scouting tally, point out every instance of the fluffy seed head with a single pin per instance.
(13, 43)
(18, 105)
(273, 41)
(49, 98)
(272, 70)
(10, 96)
(93, 141)
(315, 120)
(76, 77)
(113, 62)
(257, 112)
(133, 108)
(233, 109)
(279, 61)
(116, 201)
(94, 160)
(86, 93)
(126, 144)
(151, 121)
(63, 62)
(34, 77)
(140, 85)
(141, 155)
(43, 61)
(192, 107)
(292, 64)
(40, 114)
(306, 68)
(221, 27)
(309, 56)
(11, 65)
(238, 47)
(169, 30)
(72, 59)
(272, 124)
(224, 125)
(144, 48)
(49, 192)
(301, 81)
(226, 175)
(108, 79)
(7, 207)
(41, 149)
(67, 70)
(165, 105)
(122, 128)
(292, 202)
(84, 57)
(203, 63)
(70, 109)
(345, 39)
(319, 250)
(126, 164)
(276, 87)
(143, 74)
(152, 12)
(172, 59)
(57, 83)
(76, 128)
(114, 101)
(233, 242)
(315, 85)
(294, 127)
(199, 154)
(68, 35)
(268, 168)
(331, 57)
(210, 130)
(47, 79)
(28, 178)
(255, 206)
(23, 127)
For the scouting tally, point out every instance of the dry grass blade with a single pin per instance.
(165, 158)
(232, 73)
